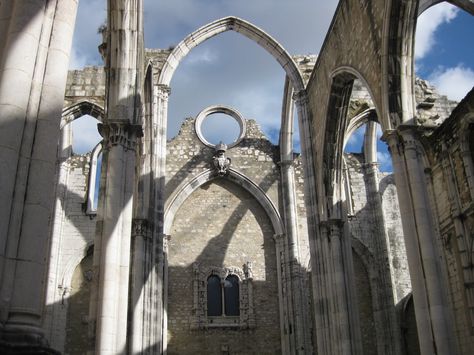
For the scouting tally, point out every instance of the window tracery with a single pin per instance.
(223, 297)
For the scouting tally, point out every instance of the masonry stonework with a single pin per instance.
(331, 255)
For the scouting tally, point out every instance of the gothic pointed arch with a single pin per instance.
(400, 28)
(238, 25)
(79, 109)
(186, 189)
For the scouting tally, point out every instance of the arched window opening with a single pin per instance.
(94, 179)
(231, 296)
(214, 296)
(223, 298)
(85, 134)
(221, 70)
(442, 61)
(219, 127)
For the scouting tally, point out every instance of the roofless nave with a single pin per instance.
(246, 248)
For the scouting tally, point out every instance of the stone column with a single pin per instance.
(387, 326)
(115, 224)
(121, 129)
(54, 293)
(434, 334)
(297, 305)
(336, 330)
(34, 67)
(138, 277)
(282, 274)
(163, 275)
(161, 95)
(343, 325)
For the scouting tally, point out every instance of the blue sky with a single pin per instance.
(232, 70)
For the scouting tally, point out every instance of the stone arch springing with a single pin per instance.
(80, 109)
(74, 261)
(186, 189)
(338, 128)
(357, 121)
(71, 113)
(336, 121)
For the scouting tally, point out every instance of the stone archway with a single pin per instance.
(184, 191)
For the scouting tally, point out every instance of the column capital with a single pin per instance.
(165, 239)
(332, 223)
(164, 89)
(279, 237)
(300, 97)
(141, 228)
(120, 133)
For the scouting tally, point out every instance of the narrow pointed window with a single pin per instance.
(231, 296)
(214, 296)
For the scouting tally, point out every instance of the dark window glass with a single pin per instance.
(214, 296)
(231, 296)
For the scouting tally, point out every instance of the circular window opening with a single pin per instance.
(219, 127)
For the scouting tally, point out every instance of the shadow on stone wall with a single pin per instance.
(214, 250)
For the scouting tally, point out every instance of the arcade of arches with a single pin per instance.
(149, 246)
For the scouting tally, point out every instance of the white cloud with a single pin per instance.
(228, 69)
(205, 56)
(355, 141)
(77, 60)
(453, 82)
(91, 14)
(428, 23)
(385, 161)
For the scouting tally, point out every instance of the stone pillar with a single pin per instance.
(297, 309)
(33, 74)
(161, 95)
(54, 293)
(282, 273)
(115, 224)
(300, 338)
(163, 275)
(138, 276)
(434, 333)
(336, 325)
(344, 330)
(387, 326)
(120, 130)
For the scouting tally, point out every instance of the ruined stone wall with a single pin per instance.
(361, 51)
(86, 84)
(364, 305)
(73, 233)
(450, 154)
(77, 332)
(432, 108)
(393, 224)
(222, 225)
(363, 225)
